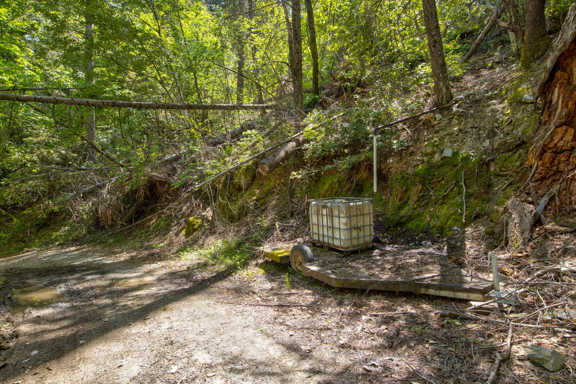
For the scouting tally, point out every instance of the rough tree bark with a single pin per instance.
(313, 47)
(297, 52)
(536, 39)
(441, 93)
(554, 151)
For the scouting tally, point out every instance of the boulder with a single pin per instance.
(546, 358)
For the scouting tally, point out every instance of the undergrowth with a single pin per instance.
(233, 253)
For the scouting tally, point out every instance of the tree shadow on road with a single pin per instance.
(122, 294)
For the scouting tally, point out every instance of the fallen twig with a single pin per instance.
(541, 283)
(494, 369)
(502, 322)
(463, 199)
(268, 305)
(542, 309)
(500, 358)
(429, 380)
(473, 307)
(391, 313)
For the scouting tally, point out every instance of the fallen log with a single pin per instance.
(232, 136)
(271, 162)
(130, 104)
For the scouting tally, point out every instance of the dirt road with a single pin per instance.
(87, 315)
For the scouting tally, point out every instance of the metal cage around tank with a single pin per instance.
(344, 223)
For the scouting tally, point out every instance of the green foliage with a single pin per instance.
(229, 253)
(344, 136)
(188, 51)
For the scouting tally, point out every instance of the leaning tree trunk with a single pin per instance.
(482, 36)
(441, 93)
(313, 47)
(536, 39)
(554, 153)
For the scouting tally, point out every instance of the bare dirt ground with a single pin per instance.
(95, 315)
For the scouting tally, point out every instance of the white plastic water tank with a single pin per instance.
(344, 223)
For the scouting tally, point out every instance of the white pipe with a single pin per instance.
(375, 161)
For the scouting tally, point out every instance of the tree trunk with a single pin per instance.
(554, 153)
(297, 51)
(240, 75)
(517, 33)
(482, 36)
(441, 93)
(290, 41)
(56, 100)
(275, 159)
(251, 15)
(240, 12)
(313, 47)
(90, 121)
(536, 39)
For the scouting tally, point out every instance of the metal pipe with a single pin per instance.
(375, 161)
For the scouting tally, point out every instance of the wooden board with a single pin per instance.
(394, 268)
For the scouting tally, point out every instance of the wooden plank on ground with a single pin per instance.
(420, 271)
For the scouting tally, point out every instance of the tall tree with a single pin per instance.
(240, 12)
(254, 50)
(313, 46)
(297, 53)
(90, 121)
(441, 93)
(290, 38)
(536, 39)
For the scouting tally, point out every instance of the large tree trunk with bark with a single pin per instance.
(441, 93)
(554, 153)
(297, 52)
(313, 47)
(536, 39)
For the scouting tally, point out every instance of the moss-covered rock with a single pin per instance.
(193, 224)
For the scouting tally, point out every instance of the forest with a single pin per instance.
(287, 191)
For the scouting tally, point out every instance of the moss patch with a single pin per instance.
(431, 198)
(193, 224)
